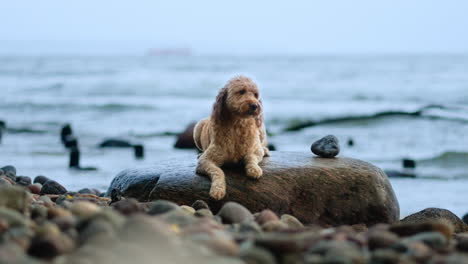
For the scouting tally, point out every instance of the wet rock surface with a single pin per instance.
(314, 190)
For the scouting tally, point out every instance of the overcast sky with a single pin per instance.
(239, 27)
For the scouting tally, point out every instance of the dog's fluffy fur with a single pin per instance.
(233, 133)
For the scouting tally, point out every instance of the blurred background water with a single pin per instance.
(146, 99)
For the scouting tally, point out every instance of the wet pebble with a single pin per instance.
(52, 187)
(232, 212)
(291, 221)
(10, 172)
(40, 179)
(200, 204)
(326, 147)
(127, 206)
(23, 180)
(161, 207)
(266, 216)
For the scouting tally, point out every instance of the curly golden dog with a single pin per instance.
(233, 133)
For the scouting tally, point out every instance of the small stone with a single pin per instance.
(436, 215)
(291, 221)
(409, 229)
(15, 198)
(200, 204)
(179, 217)
(256, 255)
(232, 212)
(12, 217)
(4, 182)
(40, 179)
(35, 188)
(273, 226)
(385, 256)
(462, 243)
(266, 216)
(250, 227)
(23, 180)
(326, 147)
(161, 207)
(188, 209)
(86, 191)
(10, 172)
(127, 206)
(381, 239)
(52, 187)
(338, 252)
(38, 212)
(203, 213)
(83, 209)
(434, 240)
(54, 212)
(50, 246)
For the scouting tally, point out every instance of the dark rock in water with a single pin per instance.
(40, 179)
(321, 191)
(52, 187)
(326, 147)
(436, 214)
(139, 151)
(71, 142)
(200, 204)
(115, 143)
(465, 218)
(234, 213)
(161, 207)
(350, 142)
(65, 132)
(409, 163)
(23, 180)
(400, 174)
(185, 139)
(271, 147)
(10, 172)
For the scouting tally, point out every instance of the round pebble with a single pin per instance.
(232, 212)
(326, 147)
(161, 207)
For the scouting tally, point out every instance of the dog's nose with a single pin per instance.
(253, 107)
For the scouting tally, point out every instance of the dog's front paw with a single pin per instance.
(218, 191)
(254, 171)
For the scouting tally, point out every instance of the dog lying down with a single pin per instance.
(233, 133)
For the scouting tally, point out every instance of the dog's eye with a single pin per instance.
(242, 92)
(256, 95)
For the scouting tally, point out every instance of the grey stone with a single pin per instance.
(315, 190)
(52, 187)
(326, 147)
(161, 207)
(232, 213)
(40, 179)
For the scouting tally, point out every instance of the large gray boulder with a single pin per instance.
(316, 190)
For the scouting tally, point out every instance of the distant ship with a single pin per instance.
(170, 52)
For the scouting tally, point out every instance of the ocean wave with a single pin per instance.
(111, 107)
(447, 159)
(448, 113)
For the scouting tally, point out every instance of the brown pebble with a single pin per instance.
(265, 216)
(35, 188)
(409, 229)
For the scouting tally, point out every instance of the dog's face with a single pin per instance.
(239, 97)
(243, 98)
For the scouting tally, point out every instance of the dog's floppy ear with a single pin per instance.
(220, 113)
(259, 118)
